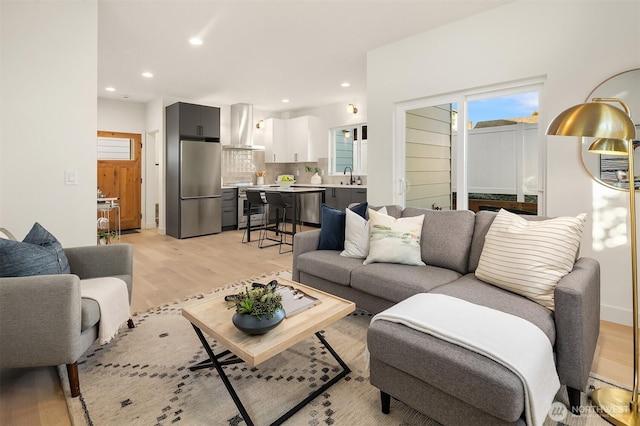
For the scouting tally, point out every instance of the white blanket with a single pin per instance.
(509, 340)
(113, 299)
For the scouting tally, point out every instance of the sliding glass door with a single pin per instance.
(477, 151)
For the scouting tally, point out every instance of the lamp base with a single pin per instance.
(614, 406)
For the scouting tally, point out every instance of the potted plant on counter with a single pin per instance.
(315, 179)
(258, 309)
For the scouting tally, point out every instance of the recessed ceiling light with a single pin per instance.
(285, 101)
(110, 89)
(345, 84)
(195, 41)
(147, 74)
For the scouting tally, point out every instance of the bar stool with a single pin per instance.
(255, 199)
(276, 201)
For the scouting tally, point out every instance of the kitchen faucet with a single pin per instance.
(351, 180)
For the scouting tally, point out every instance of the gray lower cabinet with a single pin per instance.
(358, 195)
(340, 198)
(229, 209)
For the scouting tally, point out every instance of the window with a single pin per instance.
(349, 149)
(474, 150)
(115, 149)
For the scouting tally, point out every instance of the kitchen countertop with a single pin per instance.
(299, 185)
(329, 185)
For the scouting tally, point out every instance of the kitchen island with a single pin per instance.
(296, 191)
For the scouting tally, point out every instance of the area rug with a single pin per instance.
(143, 378)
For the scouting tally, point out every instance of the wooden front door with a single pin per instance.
(122, 178)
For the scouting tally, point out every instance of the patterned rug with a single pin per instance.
(142, 378)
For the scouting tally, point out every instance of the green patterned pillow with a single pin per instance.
(394, 240)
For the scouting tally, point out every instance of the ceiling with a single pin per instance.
(256, 52)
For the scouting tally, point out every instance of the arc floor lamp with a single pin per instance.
(616, 132)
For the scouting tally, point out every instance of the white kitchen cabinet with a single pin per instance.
(290, 141)
(275, 140)
(302, 139)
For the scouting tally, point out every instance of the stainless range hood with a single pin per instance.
(242, 128)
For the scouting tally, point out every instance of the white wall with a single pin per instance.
(155, 164)
(48, 110)
(521, 40)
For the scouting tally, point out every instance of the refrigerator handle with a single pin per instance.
(200, 198)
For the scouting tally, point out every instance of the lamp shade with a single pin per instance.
(593, 119)
(610, 146)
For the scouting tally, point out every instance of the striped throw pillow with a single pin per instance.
(530, 257)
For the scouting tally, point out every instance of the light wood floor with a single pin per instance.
(166, 269)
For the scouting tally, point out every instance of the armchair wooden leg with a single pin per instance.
(74, 379)
(385, 399)
(574, 400)
(130, 323)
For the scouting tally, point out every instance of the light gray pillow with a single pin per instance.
(39, 253)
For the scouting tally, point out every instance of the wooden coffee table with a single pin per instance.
(213, 317)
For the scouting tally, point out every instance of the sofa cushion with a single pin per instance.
(446, 237)
(465, 375)
(473, 290)
(396, 282)
(529, 258)
(393, 210)
(484, 219)
(356, 234)
(90, 313)
(394, 240)
(333, 226)
(328, 264)
(39, 253)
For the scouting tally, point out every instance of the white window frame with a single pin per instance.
(357, 150)
(462, 98)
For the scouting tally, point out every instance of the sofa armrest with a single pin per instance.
(40, 319)
(112, 260)
(303, 242)
(577, 316)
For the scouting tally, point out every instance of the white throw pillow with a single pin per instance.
(394, 240)
(530, 257)
(356, 235)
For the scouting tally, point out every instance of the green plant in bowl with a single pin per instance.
(258, 310)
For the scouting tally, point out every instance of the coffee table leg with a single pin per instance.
(345, 370)
(216, 363)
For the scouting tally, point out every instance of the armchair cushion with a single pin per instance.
(39, 253)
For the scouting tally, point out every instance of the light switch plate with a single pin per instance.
(70, 177)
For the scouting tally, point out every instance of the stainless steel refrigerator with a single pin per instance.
(200, 188)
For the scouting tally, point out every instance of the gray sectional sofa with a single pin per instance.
(447, 382)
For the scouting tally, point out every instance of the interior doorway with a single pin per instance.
(120, 174)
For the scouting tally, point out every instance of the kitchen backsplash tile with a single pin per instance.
(239, 165)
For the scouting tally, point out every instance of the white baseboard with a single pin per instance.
(616, 314)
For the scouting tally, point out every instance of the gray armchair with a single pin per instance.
(43, 319)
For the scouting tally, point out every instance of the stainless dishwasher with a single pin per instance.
(310, 208)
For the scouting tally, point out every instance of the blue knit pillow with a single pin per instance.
(39, 253)
(333, 225)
